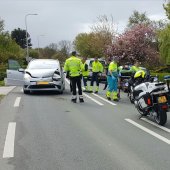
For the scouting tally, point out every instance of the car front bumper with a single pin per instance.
(46, 84)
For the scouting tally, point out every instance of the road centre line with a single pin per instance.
(9, 142)
(17, 102)
(148, 131)
(152, 123)
(104, 99)
(99, 103)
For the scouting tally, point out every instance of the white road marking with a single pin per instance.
(149, 131)
(152, 123)
(104, 99)
(21, 90)
(9, 142)
(17, 102)
(101, 104)
(96, 101)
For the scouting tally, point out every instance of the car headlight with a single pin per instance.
(56, 77)
(27, 77)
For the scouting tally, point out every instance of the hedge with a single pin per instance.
(2, 72)
(160, 75)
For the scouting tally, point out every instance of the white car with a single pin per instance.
(40, 75)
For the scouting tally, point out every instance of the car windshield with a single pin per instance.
(43, 65)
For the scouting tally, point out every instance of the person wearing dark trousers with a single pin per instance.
(74, 65)
(76, 82)
(97, 68)
(85, 74)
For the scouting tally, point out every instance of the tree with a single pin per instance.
(81, 44)
(19, 36)
(138, 18)
(164, 39)
(63, 50)
(53, 46)
(1, 25)
(135, 44)
(65, 46)
(9, 49)
(106, 27)
(93, 44)
(47, 52)
(33, 53)
(164, 42)
(167, 9)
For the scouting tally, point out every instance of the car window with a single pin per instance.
(43, 65)
(103, 62)
(90, 64)
(13, 65)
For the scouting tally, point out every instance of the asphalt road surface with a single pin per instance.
(45, 131)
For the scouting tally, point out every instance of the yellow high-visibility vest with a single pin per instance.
(97, 67)
(73, 65)
(85, 73)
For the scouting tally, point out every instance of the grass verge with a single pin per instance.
(1, 97)
(2, 83)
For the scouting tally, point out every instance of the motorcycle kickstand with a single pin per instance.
(141, 116)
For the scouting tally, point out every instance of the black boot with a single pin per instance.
(81, 100)
(73, 100)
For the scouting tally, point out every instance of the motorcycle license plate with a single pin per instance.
(162, 99)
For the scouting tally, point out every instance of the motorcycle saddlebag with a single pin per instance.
(145, 101)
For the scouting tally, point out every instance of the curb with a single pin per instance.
(4, 90)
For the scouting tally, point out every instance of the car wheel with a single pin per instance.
(26, 92)
(60, 92)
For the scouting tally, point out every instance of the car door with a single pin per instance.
(14, 76)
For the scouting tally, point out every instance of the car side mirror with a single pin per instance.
(21, 70)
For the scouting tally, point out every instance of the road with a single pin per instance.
(48, 132)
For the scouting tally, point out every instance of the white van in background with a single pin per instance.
(89, 62)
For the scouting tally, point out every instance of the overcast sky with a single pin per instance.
(64, 19)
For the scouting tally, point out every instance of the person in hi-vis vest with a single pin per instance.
(73, 65)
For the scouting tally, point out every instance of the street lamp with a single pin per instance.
(39, 44)
(27, 57)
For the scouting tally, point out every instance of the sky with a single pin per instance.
(64, 19)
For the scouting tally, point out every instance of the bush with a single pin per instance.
(2, 72)
(2, 83)
(160, 75)
(2, 76)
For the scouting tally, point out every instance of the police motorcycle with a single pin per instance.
(150, 98)
(134, 81)
(167, 80)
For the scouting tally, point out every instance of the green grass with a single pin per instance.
(1, 96)
(2, 83)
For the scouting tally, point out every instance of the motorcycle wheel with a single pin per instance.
(141, 111)
(161, 117)
(131, 97)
